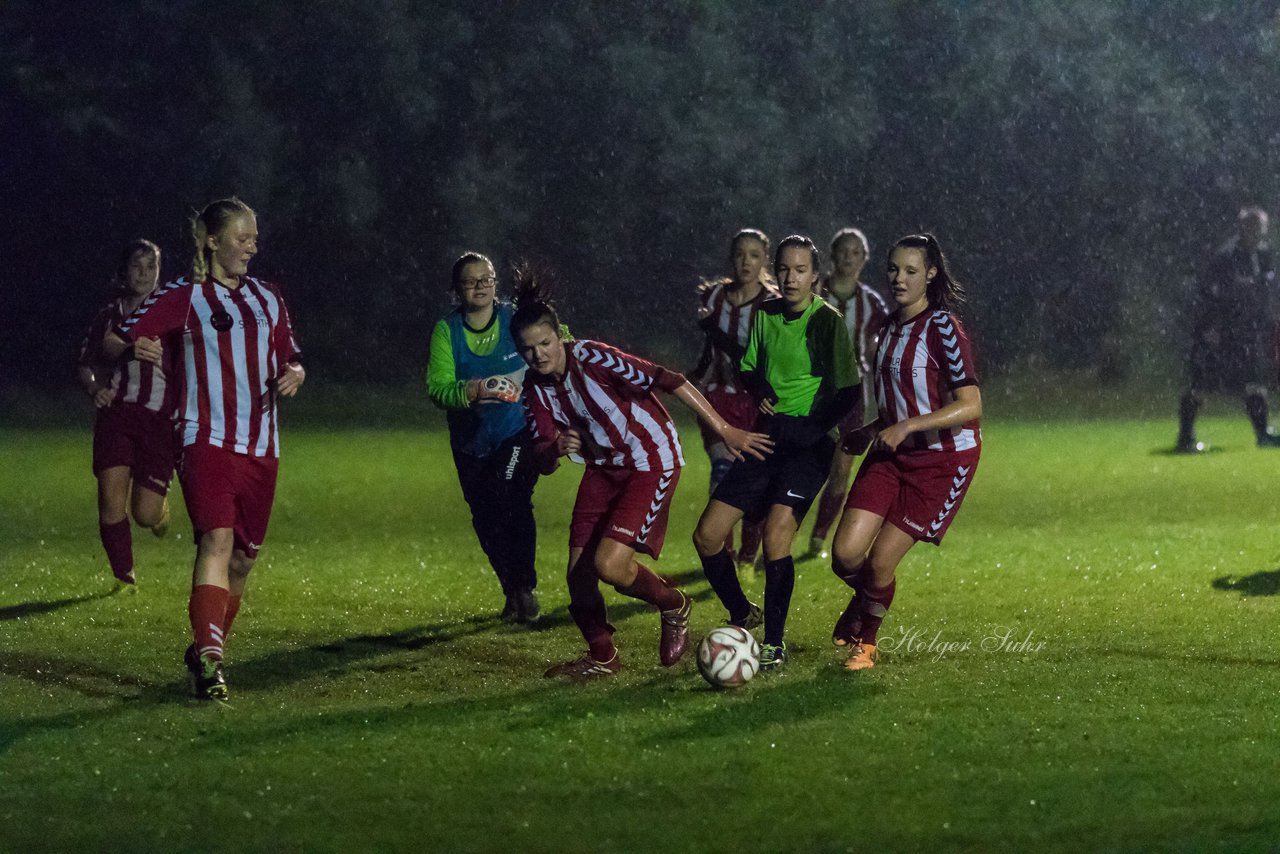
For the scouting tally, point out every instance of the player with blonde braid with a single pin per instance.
(232, 336)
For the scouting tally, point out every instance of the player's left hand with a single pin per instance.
(766, 406)
(103, 397)
(892, 436)
(149, 350)
(740, 442)
(290, 380)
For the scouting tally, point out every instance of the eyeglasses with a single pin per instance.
(477, 284)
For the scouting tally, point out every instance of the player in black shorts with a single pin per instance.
(799, 361)
(1233, 332)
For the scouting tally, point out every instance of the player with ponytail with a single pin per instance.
(475, 375)
(133, 429)
(725, 308)
(231, 334)
(598, 405)
(925, 442)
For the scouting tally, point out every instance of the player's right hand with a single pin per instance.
(569, 442)
(498, 389)
(149, 350)
(740, 442)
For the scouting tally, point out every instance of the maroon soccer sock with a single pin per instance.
(650, 588)
(233, 608)
(875, 604)
(208, 611)
(117, 539)
(592, 619)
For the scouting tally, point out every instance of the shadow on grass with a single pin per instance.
(30, 609)
(85, 679)
(1257, 584)
(702, 712)
(345, 654)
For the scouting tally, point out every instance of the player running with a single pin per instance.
(597, 404)
(800, 363)
(475, 374)
(725, 309)
(1233, 350)
(865, 312)
(926, 442)
(133, 446)
(232, 335)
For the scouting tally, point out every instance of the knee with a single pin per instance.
(239, 567)
(216, 544)
(614, 570)
(704, 542)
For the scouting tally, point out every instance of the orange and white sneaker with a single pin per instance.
(581, 669)
(861, 656)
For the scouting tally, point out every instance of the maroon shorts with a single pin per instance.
(224, 489)
(918, 493)
(624, 505)
(138, 439)
(740, 409)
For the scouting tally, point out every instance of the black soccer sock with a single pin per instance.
(723, 576)
(779, 581)
(1188, 407)
(1256, 407)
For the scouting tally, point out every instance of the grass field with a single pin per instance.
(1090, 662)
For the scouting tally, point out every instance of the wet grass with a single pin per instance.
(1089, 663)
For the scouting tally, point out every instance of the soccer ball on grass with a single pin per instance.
(728, 657)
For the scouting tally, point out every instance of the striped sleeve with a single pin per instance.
(283, 338)
(625, 368)
(955, 354)
(160, 315)
(91, 347)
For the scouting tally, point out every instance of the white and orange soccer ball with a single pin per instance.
(728, 657)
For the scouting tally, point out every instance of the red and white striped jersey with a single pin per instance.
(918, 365)
(735, 322)
(608, 396)
(865, 313)
(135, 383)
(232, 344)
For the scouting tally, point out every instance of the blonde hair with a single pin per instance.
(212, 220)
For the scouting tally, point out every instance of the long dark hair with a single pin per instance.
(944, 291)
(531, 292)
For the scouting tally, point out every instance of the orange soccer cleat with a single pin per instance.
(862, 656)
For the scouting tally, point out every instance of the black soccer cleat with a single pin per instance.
(753, 618)
(207, 679)
(527, 608)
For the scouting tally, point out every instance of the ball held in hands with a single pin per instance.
(500, 388)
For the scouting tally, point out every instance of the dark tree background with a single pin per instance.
(1077, 159)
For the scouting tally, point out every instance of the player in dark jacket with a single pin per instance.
(1232, 328)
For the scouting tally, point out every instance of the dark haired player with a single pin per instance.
(1232, 332)
(800, 360)
(926, 442)
(133, 432)
(597, 404)
(475, 375)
